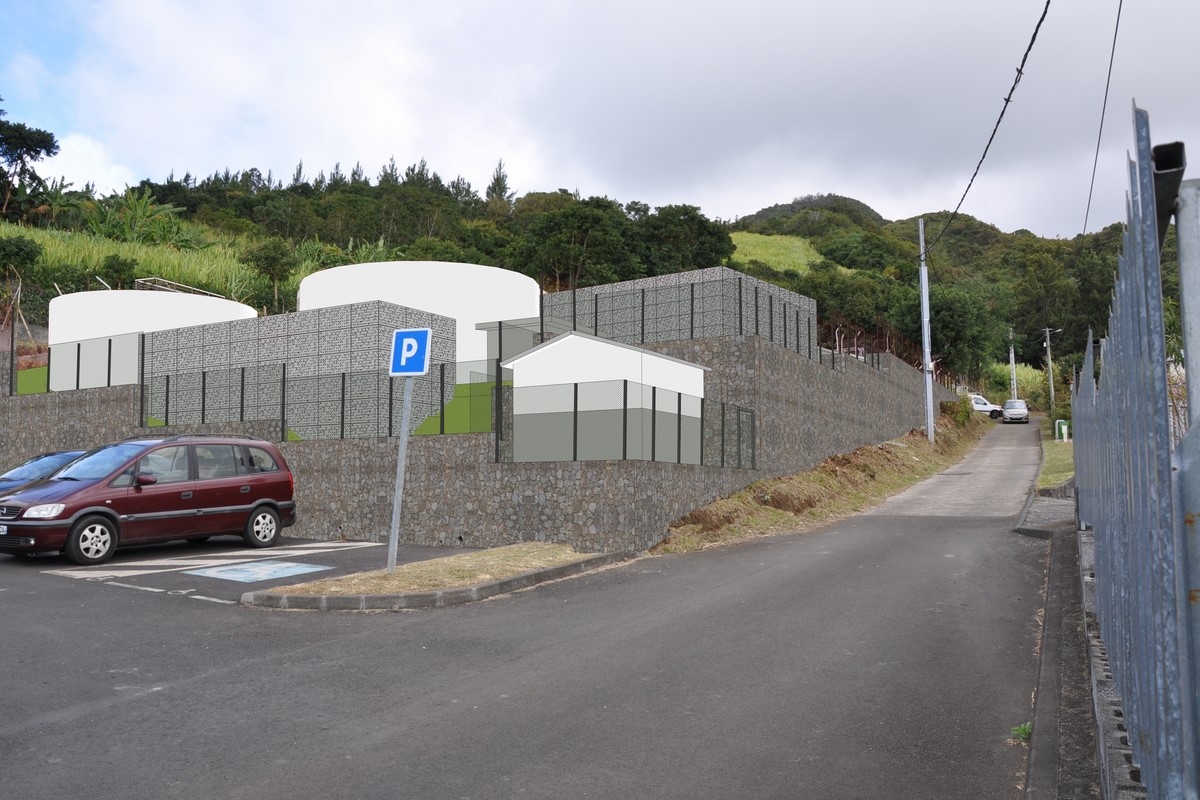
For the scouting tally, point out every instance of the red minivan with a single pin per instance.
(140, 490)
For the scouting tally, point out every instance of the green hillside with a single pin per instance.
(777, 252)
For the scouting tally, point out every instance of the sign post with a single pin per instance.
(410, 358)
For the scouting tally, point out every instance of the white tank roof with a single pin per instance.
(81, 316)
(470, 293)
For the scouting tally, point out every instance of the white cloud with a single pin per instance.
(82, 160)
(731, 109)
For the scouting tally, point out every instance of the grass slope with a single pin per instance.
(777, 252)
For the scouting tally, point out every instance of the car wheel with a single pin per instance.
(995, 415)
(262, 529)
(92, 541)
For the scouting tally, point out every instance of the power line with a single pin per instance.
(1107, 82)
(1007, 100)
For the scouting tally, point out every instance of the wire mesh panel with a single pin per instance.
(544, 423)
(599, 423)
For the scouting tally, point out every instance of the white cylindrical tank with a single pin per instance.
(81, 316)
(470, 293)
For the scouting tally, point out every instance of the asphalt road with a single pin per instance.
(884, 657)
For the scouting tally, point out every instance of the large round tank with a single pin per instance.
(470, 293)
(89, 315)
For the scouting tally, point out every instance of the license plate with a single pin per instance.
(3, 530)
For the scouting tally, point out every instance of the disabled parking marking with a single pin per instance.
(257, 571)
(151, 566)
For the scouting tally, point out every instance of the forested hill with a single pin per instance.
(984, 281)
(252, 237)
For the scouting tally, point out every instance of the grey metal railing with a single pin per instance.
(1138, 495)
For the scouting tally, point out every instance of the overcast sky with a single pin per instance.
(731, 107)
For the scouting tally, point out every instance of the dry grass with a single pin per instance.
(464, 569)
(838, 487)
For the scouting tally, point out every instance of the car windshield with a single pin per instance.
(38, 467)
(101, 462)
(1014, 404)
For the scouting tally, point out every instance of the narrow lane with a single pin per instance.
(886, 656)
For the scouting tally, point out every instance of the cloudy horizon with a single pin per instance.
(731, 110)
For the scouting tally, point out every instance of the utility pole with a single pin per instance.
(1012, 365)
(1050, 366)
(926, 359)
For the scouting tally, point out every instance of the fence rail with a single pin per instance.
(1137, 494)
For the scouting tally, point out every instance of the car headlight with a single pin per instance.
(48, 511)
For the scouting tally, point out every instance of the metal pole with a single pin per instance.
(1012, 365)
(927, 359)
(1187, 230)
(624, 420)
(398, 495)
(1050, 372)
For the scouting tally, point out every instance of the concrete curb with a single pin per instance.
(434, 599)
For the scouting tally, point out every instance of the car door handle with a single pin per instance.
(185, 495)
(245, 490)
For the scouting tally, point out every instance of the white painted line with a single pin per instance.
(213, 599)
(151, 566)
(131, 586)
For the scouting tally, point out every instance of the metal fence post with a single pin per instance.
(575, 422)
(624, 420)
(679, 428)
(723, 404)
(643, 316)
(283, 402)
(342, 419)
(653, 422)
(203, 395)
(242, 397)
(442, 398)
(167, 401)
(692, 313)
(498, 412)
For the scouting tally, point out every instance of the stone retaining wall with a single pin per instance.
(456, 494)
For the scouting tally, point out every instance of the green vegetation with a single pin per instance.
(1058, 457)
(252, 237)
(1022, 732)
(469, 412)
(780, 253)
(33, 380)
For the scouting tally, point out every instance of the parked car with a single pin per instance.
(152, 489)
(981, 403)
(1015, 411)
(36, 468)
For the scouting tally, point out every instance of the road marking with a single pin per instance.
(131, 586)
(258, 571)
(151, 566)
(214, 599)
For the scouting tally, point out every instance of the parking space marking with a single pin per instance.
(258, 571)
(150, 566)
(131, 586)
(214, 600)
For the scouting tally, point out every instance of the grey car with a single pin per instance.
(1015, 411)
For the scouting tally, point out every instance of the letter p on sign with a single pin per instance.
(410, 353)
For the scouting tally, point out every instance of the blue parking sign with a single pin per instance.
(410, 352)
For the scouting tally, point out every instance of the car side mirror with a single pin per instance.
(146, 480)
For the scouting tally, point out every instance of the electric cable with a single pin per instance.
(1103, 109)
(1007, 100)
